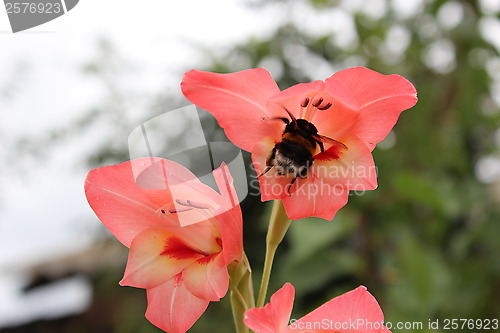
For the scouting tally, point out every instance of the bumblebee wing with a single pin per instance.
(322, 138)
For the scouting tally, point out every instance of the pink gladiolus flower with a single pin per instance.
(311, 143)
(182, 234)
(356, 311)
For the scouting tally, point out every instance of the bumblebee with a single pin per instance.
(293, 155)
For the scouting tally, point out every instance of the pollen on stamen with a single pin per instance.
(317, 102)
(165, 211)
(305, 102)
(182, 203)
(192, 204)
(325, 107)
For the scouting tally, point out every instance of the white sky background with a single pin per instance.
(43, 210)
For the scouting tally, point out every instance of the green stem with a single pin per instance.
(239, 309)
(278, 225)
(242, 296)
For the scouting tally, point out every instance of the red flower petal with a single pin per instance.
(335, 121)
(172, 307)
(237, 100)
(357, 306)
(207, 278)
(352, 168)
(125, 208)
(352, 312)
(381, 98)
(148, 265)
(314, 197)
(229, 216)
(274, 316)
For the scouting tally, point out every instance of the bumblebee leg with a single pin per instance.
(304, 171)
(321, 146)
(269, 167)
(269, 163)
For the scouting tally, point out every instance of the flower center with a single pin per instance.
(176, 248)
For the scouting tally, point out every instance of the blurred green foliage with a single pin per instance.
(426, 242)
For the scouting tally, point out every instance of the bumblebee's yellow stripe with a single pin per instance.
(310, 146)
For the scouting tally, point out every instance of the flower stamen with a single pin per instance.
(178, 201)
(171, 210)
(317, 102)
(188, 204)
(198, 205)
(193, 204)
(325, 107)
(305, 102)
(175, 211)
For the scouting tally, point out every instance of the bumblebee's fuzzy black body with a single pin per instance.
(289, 157)
(293, 155)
